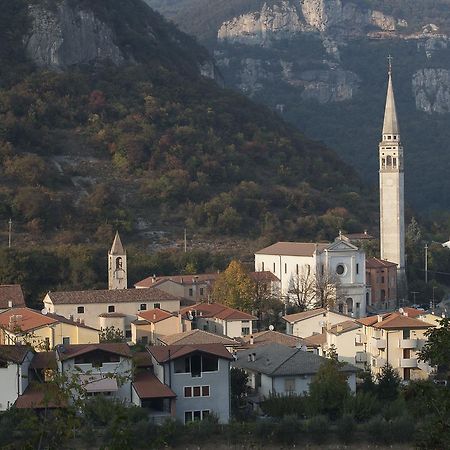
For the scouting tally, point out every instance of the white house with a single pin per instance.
(281, 370)
(199, 375)
(340, 264)
(103, 308)
(14, 363)
(99, 369)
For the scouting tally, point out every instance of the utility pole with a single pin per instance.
(414, 296)
(9, 232)
(426, 263)
(185, 241)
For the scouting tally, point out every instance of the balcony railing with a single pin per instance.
(378, 343)
(408, 363)
(410, 343)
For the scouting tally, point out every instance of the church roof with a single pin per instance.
(117, 247)
(390, 125)
(293, 249)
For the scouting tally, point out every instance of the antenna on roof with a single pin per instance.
(44, 311)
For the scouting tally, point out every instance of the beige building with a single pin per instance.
(311, 322)
(154, 324)
(217, 318)
(104, 308)
(381, 277)
(395, 338)
(43, 331)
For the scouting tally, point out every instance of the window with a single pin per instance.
(340, 269)
(205, 391)
(201, 291)
(245, 331)
(382, 279)
(285, 268)
(143, 306)
(157, 305)
(308, 270)
(205, 414)
(187, 416)
(111, 308)
(144, 340)
(358, 305)
(289, 385)
(97, 358)
(273, 267)
(128, 334)
(406, 334)
(191, 292)
(80, 310)
(196, 364)
(389, 160)
(66, 340)
(118, 262)
(197, 416)
(262, 266)
(296, 269)
(188, 391)
(389, 137)
(210, 363)
(190, 416)
(357, 268)
(196, 391)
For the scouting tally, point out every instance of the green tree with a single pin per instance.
(388, 383)
(111, 334)
(329, 390)
(234, 288)
(436, 350)
(238, 388)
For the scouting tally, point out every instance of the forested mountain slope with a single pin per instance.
(107, 121)
(322, 65)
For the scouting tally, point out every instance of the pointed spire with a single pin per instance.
(117, 247)
(390, 125)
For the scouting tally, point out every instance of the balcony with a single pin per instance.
(378, 362)
(422, 365)
(408, 363)
(360, 339)
(378, 343)
(409, 343)
(361, 357)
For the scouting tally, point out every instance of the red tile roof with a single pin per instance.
(411, 312)
(343, 327)
(155, 315)
(317, 339)
(297, 317)
(44, 360)
(66, 352)
(148, 386)
(11, 293)
(185, 280)
(264, 276)
(268, 336)
(170, 352)
(293, 249)
(218, 311)
(40, 396)
(24, 319)
(394, 320)
(376, 263)
(142, 359)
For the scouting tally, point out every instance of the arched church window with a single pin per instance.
(394, 162)
(308, 270)
(118, 262)
(349, 303)
(383, 162)
(389, 160)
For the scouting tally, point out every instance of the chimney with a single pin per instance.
(153, 278)
(10, 304)
(379, 318)
(154, 316)
(405, 313)
(251, 340)
(253, 356)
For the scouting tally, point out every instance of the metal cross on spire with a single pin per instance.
(390, 58)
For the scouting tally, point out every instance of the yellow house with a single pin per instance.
(153, 324)
(43, 331)
(395, 338)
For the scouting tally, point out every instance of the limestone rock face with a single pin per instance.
(431, 89)
(67, 36)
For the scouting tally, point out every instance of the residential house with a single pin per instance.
(381, 276)
(217, 318)
(99, 369)
(339, 266)
(195, 337)
(106, 308)
(199, 375)
(155, 323)
(14, 364)
(43, 331)
(198, 288)
(11, 296)
(313, 321)
(275, 337)
(396, 338)
(275, 369)
(345, 339)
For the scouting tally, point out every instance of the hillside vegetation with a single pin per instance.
(151, 145)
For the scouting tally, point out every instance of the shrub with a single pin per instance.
(280, 405)
(346, 428)
(362, 406)
(288, 429)
(318, 428)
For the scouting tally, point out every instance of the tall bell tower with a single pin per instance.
(392, 188)
(117, 265)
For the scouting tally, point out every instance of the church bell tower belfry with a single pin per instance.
(117, 265)
(392, 188)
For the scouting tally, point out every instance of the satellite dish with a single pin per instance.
(271, 327)
(44, 311)
(190, 316)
